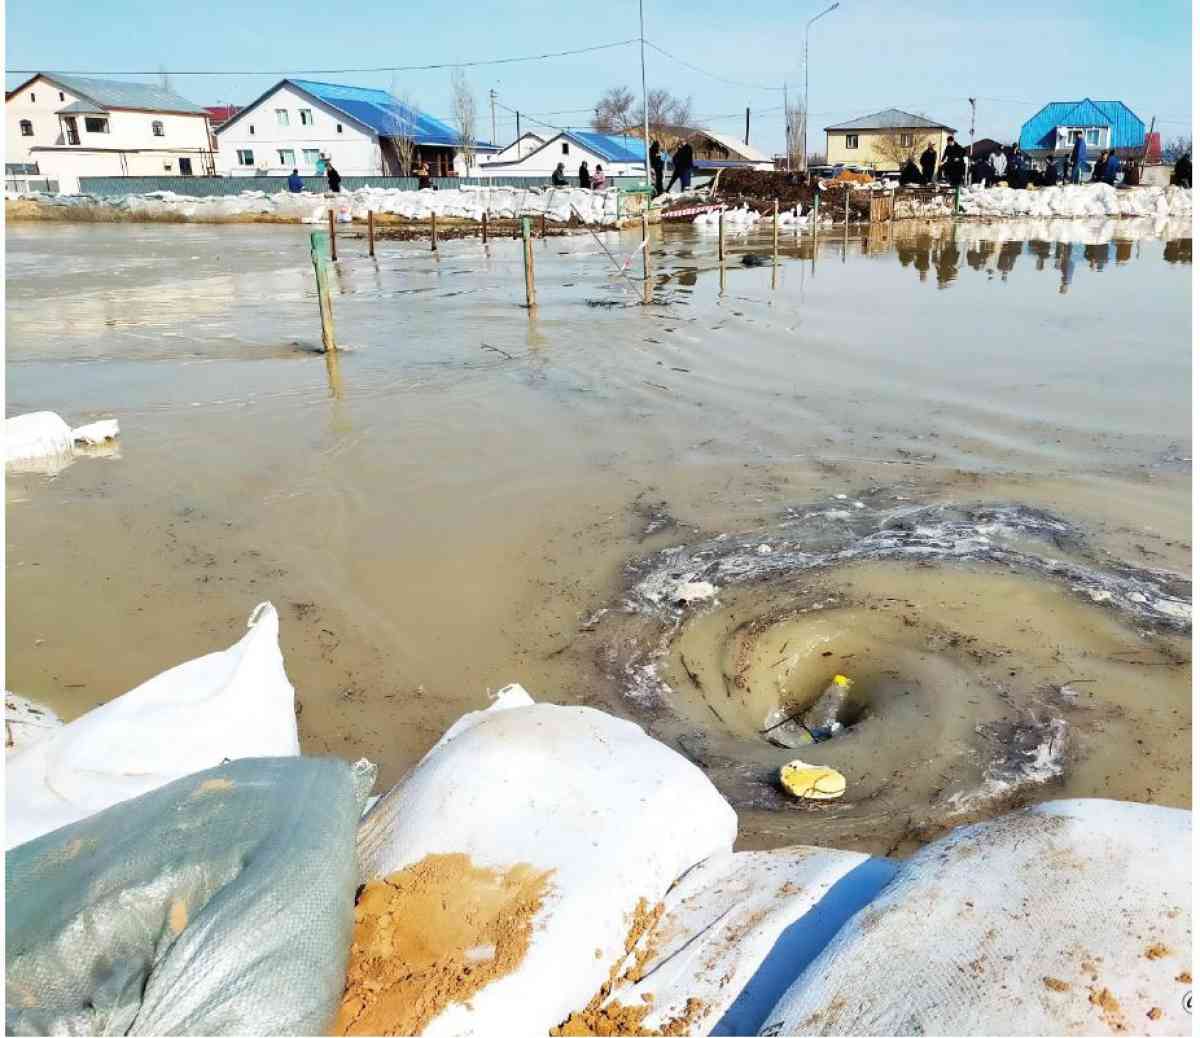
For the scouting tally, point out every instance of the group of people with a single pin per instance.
(682, 164)
(324, 169)
(1010, 165)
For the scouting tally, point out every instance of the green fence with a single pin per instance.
(196, 187)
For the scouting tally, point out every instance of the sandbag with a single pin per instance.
(1069, 917)
(36, 435)
(226, 705)
(220, 904)
(613, 815)
(735, 932)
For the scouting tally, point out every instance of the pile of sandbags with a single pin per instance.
(41, 439)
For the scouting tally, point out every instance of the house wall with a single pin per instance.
(128, 147)
(868, 154)
(519, 148)
(542, 162)
(354, 151)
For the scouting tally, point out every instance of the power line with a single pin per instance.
(712, 75)
(337, 71)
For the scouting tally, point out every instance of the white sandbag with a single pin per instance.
(26, 722)
(1070, 917)
(616, 816)
(739, 928)
(36, 435)
(96, 433)
(231, 704)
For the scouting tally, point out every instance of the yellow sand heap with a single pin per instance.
(812, 781)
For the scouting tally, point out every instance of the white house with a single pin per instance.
(360, 130)
(522, 146)
(620, 156)
(72, 126)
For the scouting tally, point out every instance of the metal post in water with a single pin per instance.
(721, 237)
(320, 247)
(370, 232)
(646, 295)
(332, 238)
(530, 290)
(775, 233)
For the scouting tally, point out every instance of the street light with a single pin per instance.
(804, 128)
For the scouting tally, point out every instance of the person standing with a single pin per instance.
(658, 165)
(423, 175)
(1018, 167)
(999, 163)
(322, 162)
(954, 162)
(599, 181)
(909, 174)
(1181, 176)
(1078, 157)
(295, 184)
(559, 177)
(1112, 169)
(928, 163)
(585, 178)
(682, 167)
(335, 178)
(1050, 173)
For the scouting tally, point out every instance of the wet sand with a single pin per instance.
(452, 508)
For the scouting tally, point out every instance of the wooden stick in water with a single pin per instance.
(318, 247)
(530, 289)
(370, 232)
(433, 232)
(332, 238)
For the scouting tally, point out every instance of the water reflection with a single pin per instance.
(1178, 251)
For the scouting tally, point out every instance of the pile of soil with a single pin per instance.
(433, 934)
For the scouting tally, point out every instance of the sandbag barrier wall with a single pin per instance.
(201, 187)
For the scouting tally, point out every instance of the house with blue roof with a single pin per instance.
(621, 156)
(1104, 124)
(364, 132)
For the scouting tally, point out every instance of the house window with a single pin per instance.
(94, 124)
(26, 128)
(306, 118)
(33, 98)
(252, 129)
(245, 157)
(62, 96)
(851, 140)
(566, 148)
(906, 140)
(185, 167)
(311, 155)
(281, 116)
(287, 157)
(156, 128)
(339, 126)
(1092, 136)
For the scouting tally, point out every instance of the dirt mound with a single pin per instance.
(433, 934)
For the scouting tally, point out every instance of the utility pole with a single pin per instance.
(492, 97)
(804, 125)
(645, 109)
(787, 132)
(971, 153)
(518, 134)
(747, 124)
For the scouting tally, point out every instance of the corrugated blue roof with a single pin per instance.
(379, 111)
(610, 147)
(1128, 131)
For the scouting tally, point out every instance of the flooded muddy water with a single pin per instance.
(949, 462)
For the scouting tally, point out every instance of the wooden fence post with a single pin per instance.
(775, 233)
(370, 232)
(721, 236)
(332, 238)
(530, 289)
(543, 225)
(646, 289)
(485, 227)
(319, 248)
(433, 232)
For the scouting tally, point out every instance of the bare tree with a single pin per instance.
(402, 124)
(464, 117)
(1176, 147)
(794, 116)
(667, 116)
(896, 146)
(614, 111)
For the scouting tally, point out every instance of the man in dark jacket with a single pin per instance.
(909, 174)
(335, 178)
(295, 184)
(928, 163)
(1078, 157)
(1182, 174)
(559, 177)
(1112, 169)
(1050, 173)
(585, 178)
(682, 170)
(954, 162)
(657, 165)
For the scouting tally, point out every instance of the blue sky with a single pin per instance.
(926, 57)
